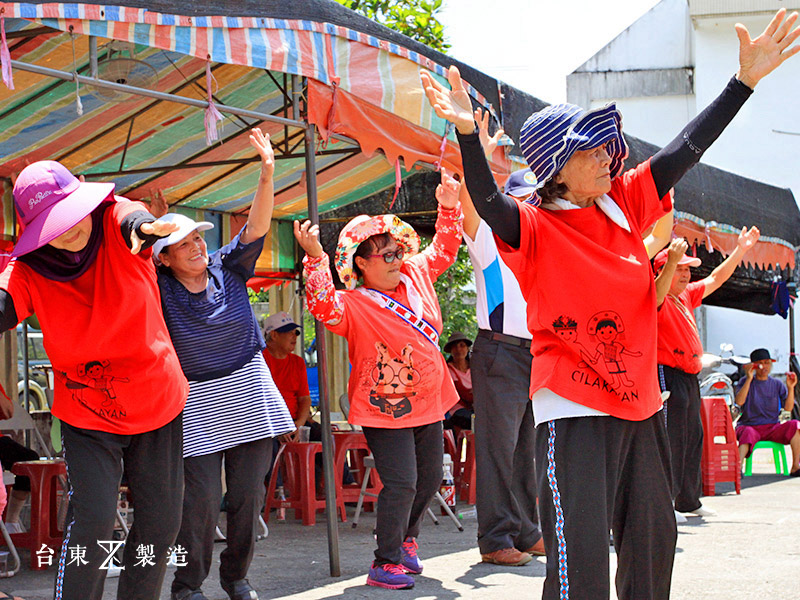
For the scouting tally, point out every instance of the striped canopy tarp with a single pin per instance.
(148, 145)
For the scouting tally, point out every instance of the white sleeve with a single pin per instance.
(483, 249)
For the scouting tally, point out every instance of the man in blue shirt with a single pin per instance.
(762, 397)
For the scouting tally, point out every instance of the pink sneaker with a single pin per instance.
(393, 577)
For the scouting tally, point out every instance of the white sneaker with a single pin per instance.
(15, 527)
(679, 518)
(702, 511)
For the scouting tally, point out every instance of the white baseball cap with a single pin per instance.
(185, 227)
(280, 322)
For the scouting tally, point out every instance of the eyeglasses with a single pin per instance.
(389, 257)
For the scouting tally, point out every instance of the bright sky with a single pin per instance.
(534, 44)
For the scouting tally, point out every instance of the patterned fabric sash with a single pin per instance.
(408, 315)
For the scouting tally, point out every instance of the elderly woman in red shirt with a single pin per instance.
(602, 454)
(399, 386)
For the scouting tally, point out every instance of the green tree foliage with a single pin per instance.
(416, 19)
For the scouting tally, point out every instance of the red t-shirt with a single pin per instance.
(289, 374)
(114, 364)
(678, 341)
(591, 299)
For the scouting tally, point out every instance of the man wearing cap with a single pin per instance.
(508, 522)
(762, 398)
(679, 359)
(288, 370)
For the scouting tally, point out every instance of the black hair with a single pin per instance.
(552, 190)
(371, 245)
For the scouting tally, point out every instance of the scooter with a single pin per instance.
(719, 374)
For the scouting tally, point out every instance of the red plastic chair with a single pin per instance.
(720, 460)
(355, 444)
(466, 483)
(296, 459)
(44, 528)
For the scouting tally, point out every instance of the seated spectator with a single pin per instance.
(288, 370)
(460, 415)
(289, 374)
(762, 397)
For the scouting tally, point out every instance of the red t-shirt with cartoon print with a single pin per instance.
(399, 378)
(679, 344)
(114, 364)
(591, 302)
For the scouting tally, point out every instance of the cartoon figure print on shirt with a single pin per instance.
(606, 359)
(96, 392)
(394, 380)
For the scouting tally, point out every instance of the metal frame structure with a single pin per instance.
(308, 139)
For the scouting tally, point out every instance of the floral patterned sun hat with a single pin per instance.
(363, 227)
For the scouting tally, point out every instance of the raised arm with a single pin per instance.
(741, 395)
(677, 249)
(791, 382)
(258, 221)
(660, 233)
(443, 249)
(747, 239)
(499, 211)
(323, 300)
(757, 58)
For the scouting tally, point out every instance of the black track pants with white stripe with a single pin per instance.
(597, 474)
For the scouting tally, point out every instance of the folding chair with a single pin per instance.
(369, 464)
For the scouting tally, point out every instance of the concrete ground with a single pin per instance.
(751, 550)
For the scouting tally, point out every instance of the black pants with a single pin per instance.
(685, 431)
(154, 469)
(10, 453)
(245, 468)
(409, 462)
(601, 473)
(504, 446)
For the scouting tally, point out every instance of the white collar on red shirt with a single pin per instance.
(604, 203)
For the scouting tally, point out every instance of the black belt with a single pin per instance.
(506, 339)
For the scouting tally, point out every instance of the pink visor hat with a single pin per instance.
(50, 201)
(661, 259)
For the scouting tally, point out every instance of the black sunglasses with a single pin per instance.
(389, 257)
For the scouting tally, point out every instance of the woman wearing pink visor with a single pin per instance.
(82, 265)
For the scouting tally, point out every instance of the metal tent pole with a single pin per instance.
(322, 370)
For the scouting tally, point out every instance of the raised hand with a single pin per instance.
(791, 379)
(307, 235)
(447, 191)
(748, 238)
(759, 57)
(677, 250)
(453, 104)
(159, 228)
(489, 143)
(158, 204)
(260, 142)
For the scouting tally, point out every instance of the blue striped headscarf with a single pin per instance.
(551, 136)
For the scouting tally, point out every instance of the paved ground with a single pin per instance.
(751, 550)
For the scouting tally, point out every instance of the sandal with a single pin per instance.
(7, 596)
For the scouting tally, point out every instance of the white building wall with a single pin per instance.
(751, 145)
(656, 119)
